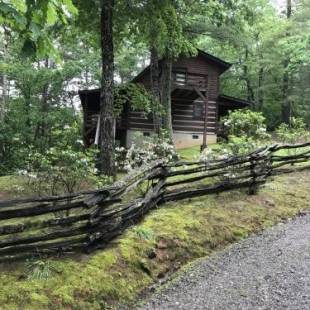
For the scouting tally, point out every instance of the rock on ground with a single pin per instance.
(270, 270)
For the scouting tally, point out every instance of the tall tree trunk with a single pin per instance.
(4, 79)
(166, 95)
(250, 92)
(45, 109)
(286, 105)
(41, 132)
(155, 88)
(260, 90)
(106, 164)
(4, 96)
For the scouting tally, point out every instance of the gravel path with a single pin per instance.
(270, 270)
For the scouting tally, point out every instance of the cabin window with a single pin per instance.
(150, 116)
(195, 137)
(198, 111)
(146, 134)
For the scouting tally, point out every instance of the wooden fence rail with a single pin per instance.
(88, 220)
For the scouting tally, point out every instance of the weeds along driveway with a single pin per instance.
(270, 270)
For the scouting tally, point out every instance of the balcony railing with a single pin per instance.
(184, 80)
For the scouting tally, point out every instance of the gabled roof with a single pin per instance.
(223, 64)
(229, 101)
(208, 57)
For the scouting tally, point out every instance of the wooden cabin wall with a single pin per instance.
(182, 109)
(183, 116)
(138, 120)
(195, 65)
(198, 65)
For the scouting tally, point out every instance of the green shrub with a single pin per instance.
(245, 123)
(62, 171)
(245, 131)
(293, 133)
(64, 168)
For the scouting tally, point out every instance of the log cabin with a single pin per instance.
(196, 104)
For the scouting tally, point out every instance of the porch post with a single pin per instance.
(204, 142)
(205, 101)
(97, 131)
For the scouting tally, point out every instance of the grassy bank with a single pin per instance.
(168, 238)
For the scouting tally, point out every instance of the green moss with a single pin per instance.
(168, 238)
(39, 300)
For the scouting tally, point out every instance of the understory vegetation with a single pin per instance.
(67, 167)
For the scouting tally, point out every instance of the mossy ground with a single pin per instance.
(165, 240)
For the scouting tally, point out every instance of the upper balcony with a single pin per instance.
(189, 81)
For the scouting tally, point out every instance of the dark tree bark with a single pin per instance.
(3, 78)
(43, 125)
(250, 92)
(155, 88)
(260, 92)
(106, 143)
(166, 95)
(286, 106)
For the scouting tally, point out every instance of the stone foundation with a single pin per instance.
(181, 139)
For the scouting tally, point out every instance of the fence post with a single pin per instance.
(253, 185)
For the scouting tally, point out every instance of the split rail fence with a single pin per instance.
(87, 221)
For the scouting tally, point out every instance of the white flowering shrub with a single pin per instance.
(245, 130)
(208, 154)
(147, 149)
(62, 171)
(64, 168)
(245, 123)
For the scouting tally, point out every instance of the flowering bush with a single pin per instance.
(245, 130)
(63, 168)
(208, 154)
(245, 123)
(62, 171)
(147, 149)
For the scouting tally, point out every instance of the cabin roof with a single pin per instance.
(233, 102)
(223, 65)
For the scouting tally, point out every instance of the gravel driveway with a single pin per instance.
(270, 270)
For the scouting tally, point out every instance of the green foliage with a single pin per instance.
(293, 133)
(34, 118)
(135, 94)
(59, 171)
(245, 130)
(241, 145)
(63, 168)
(144, 233)
(35, 20)
(245, 123)
(257, 38)
(40, 269)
